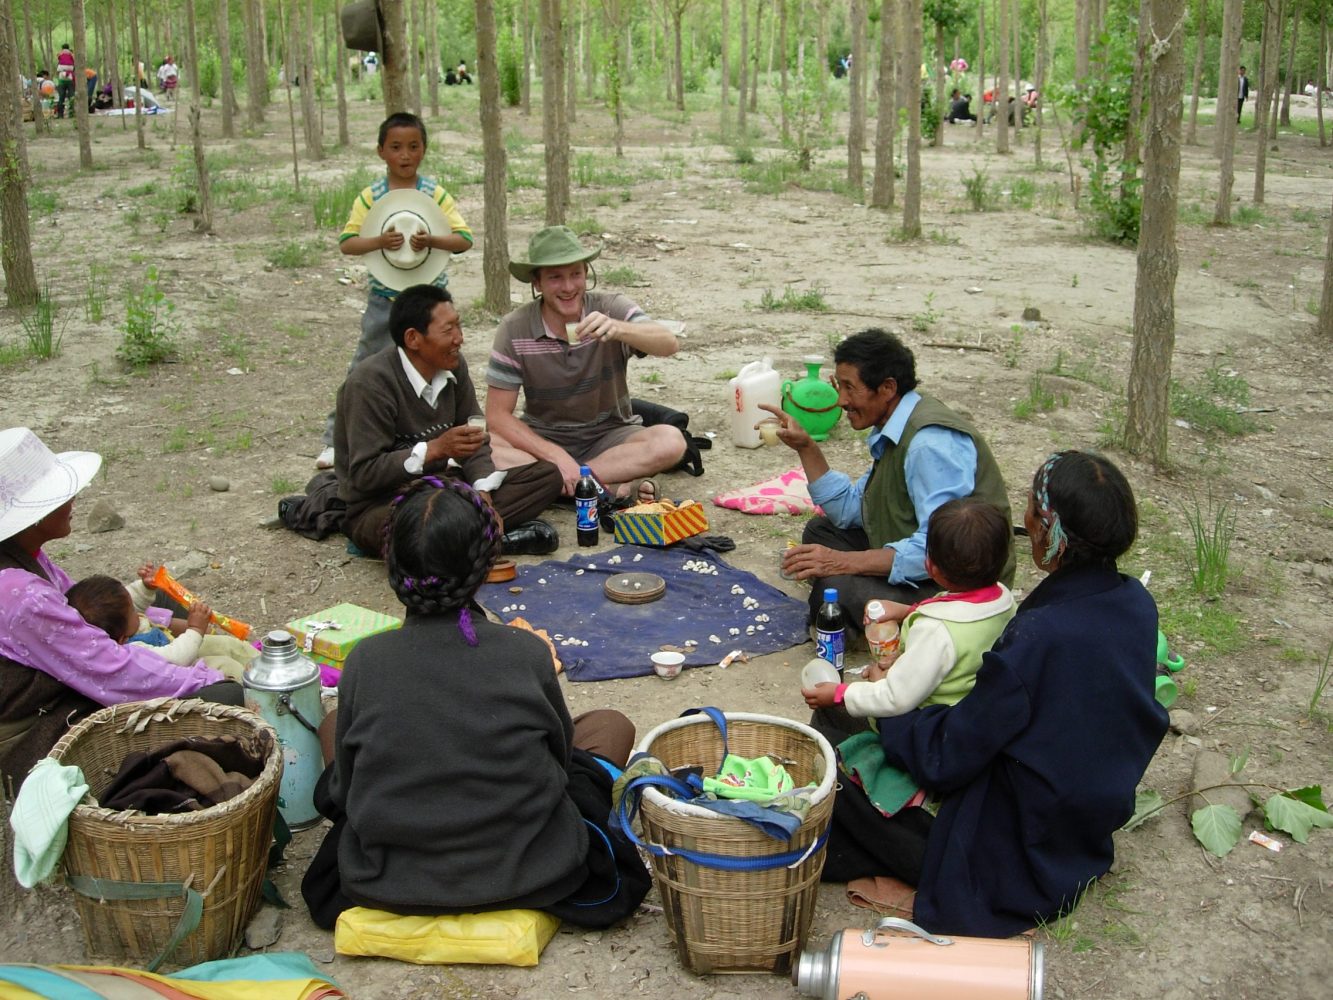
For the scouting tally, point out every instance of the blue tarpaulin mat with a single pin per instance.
(620, 637)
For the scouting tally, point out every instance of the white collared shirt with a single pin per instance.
(430, 391)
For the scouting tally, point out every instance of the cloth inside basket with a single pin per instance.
(185, 775)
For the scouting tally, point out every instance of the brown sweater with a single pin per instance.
(378, 420)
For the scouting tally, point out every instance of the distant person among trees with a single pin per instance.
(461, 72)
(960, 108)
(1242, 91)
(168, 76)
(64, 81)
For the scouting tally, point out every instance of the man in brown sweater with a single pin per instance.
(405, 412)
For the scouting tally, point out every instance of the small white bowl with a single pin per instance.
(818, 671)
(668, 665)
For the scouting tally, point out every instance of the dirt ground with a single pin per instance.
(263, 347)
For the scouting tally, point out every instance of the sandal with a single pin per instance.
(640, 491)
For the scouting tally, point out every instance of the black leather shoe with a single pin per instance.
(531, 538)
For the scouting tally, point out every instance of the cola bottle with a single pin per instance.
(585, 507)
(830, 633)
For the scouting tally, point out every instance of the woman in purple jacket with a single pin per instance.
(54, 666)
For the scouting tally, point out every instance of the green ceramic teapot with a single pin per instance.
(812, 401)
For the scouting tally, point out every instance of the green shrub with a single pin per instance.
(210, 72)
(511, 83)
(150, 328)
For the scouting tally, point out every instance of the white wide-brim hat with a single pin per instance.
(34, 480)
(408, 211)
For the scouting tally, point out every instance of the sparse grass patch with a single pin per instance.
(726, 376)
(1212, 525)
(41, 333)
(1248, 215)
(652, 378)
(94, 293)
(234, 346)
(981, 194)
(282, 486)
(142, 190)
(622, 274)
(1212, 402)
(1082, 370)
(810, 300)
(1023, 193)
(585, 225)
(332, 203)
(1212, 630)
(295, 254)
(1040, 399)
(1322, 677)
(42, 203)
(177, 441)
(1192, 213)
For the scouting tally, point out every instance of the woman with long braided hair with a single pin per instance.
(458, 782)
(1037, 766)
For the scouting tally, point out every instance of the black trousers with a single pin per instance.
(862, 841)
(854, 591)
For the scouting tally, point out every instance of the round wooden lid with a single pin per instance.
(502, 571)
(634, 588)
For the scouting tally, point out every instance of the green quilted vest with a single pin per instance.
(886, 508)
(970, 641)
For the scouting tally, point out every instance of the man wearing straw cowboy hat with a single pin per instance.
(568, 351)
(405, 226)
(54, 666)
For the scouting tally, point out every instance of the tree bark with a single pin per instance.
(911, 58)
(1325, 324)
(1201, 24)
(341, 53)
(394, 69)
(412, 14)
(1289, 83)
(433, 60)
(825, 111)
(678, 63)
(856, 127)
(38, 119)
(1227, 124)
(1322, 78)
(203, 222)
(938, 139)
(288, 69)
(305, 49)
(1148, 407)
(15, 236)
(571, 71)
(555, 133)
(886, 115)
(743, 81)
(1084, 16)
(80, 33)
(1267, 72)
(223, 13)
(782, 66)
(726, 70)
(1130, 160)
(754, 56)
(256, 69)
(135, 55)
(1043, 56)
(1002, 81)
(495, 197)
(525, 27)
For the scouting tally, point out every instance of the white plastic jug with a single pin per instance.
(756, 383)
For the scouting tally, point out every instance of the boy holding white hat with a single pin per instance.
(405, 226)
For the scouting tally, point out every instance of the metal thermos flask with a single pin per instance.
(898, 960)
(283, 687)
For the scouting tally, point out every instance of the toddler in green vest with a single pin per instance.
(942, 641)
(942, 637)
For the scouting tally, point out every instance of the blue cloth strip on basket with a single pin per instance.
(781, 824)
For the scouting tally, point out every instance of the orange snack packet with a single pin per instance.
(168, 584)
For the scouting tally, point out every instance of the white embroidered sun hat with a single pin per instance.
(408, 211)
(34, 481)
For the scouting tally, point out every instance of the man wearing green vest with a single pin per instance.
(871, 540)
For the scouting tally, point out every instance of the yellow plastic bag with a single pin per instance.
(506, 937)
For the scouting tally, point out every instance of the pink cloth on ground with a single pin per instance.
(787, 493)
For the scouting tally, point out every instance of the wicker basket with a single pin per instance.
(221, 852)
(729, 921)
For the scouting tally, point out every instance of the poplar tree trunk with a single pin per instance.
(224, 59)
(1015, 23)
(1325, 325)
(113, 62)
(1084, 16)
(203, 222)
(1267, 71)
(1155, 284)
(433, 60)
(340, 69)
(555, 134)
(1002, 82)
(412, 12)
(1276, 55)
(981, 62)
(1322, 78)
(79, 31)
(678, 65)
(572, 73)
(909, 61)
(1201, 23)
(256, 69)
(1130, 160)
(284, 33)
(754, 56)
(938, 139)
(856, 128)
(397, 93)
(782, 65)
(15, 236)
(314, 132)
(38, 118)
(726, 70)
(1290, 84)
(525, 27)
(495, 198)
(825, 111)
(137, 57)
(743, 83)
(886, 116)
(1227, 126)
(1043, 56)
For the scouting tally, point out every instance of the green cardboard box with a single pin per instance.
(331, 645)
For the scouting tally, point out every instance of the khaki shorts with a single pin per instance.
(586, 443)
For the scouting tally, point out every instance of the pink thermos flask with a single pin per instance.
(898, 960)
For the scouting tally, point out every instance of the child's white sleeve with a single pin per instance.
(918, 672)
(182, 650)
(141, 596)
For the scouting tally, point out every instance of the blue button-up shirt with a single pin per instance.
(941, 466)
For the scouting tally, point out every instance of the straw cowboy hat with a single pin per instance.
(553, 246)
(34, 481)
(361, 26)
(408, 211)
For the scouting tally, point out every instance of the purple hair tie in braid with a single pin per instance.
(465, 625)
